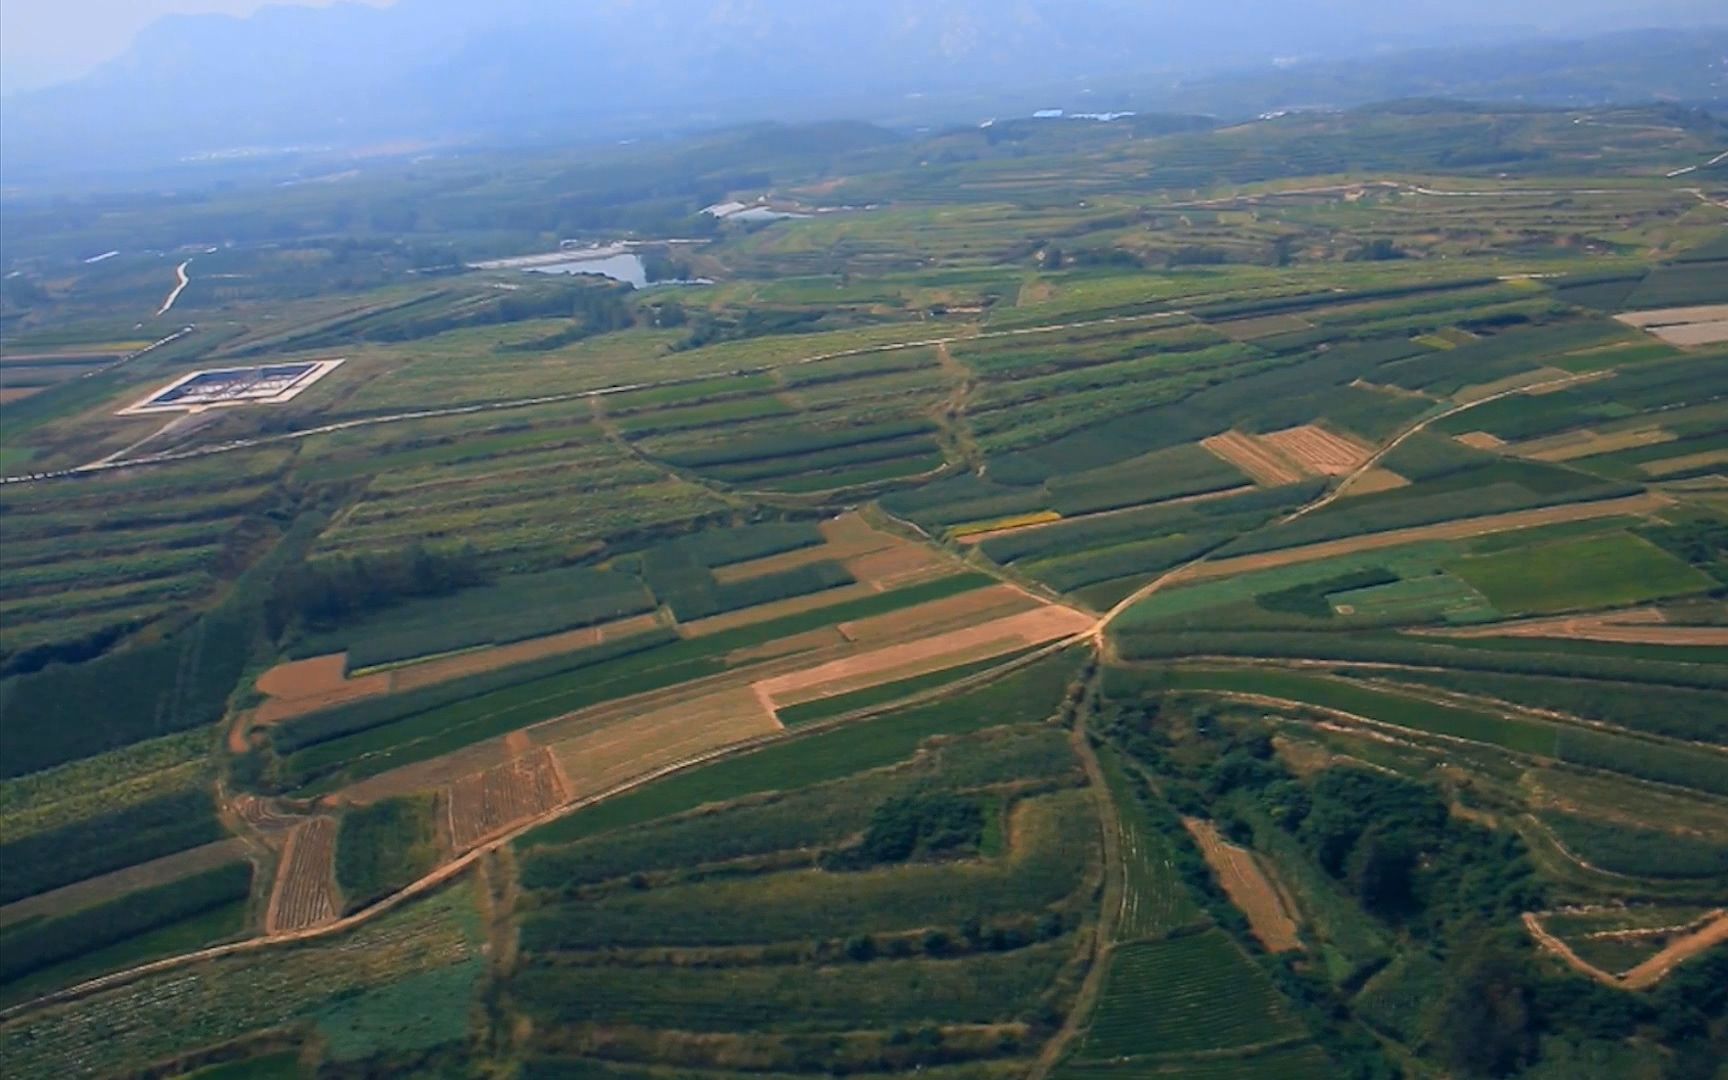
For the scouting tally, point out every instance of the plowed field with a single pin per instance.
(1253, 457)
(492, 801)
(1248, 887)
(305, 893)
(1319, 451)
(623, 748)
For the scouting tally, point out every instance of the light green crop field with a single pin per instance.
(1596, 572)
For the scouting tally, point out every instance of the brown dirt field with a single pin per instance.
(1245, 880)
(305, 892)
(1573, 445)
(275, 710)
(1482, 440)
(18, 393)
(1377, 480)
(1669, 466)
(847, 537)
(613, 753)
(895, 567)
(893, 662)
(967, 609)
(81, 894)
(306, 678)
(487, 803)
(1319, 451)
(1647, 503)
(1510, 382)
(1253, 457)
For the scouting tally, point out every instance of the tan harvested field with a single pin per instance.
(613, 752)
(934, 653)
(939, 616)
(1647, 503)
(1482, 440)
(1684, 463)
(1674, 316)
(277, 709)
(163, 871)
(1253, 457)
(9, 394)
(1683, 326)
(1692, 334)
(900, 566)
(305, 892)
(1319, 451)
(1510, 382)
(1580, 444)
(1376, 480)
(486, 803)
(1248, 886)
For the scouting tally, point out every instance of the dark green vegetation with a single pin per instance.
(1035, 333)
(383, 847)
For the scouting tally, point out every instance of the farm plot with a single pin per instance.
(1683, 326)
(1266, 464)
(1189, 994)
(1248, 886)
(305, 893)
(1318, 451)
(1155, 900)
(597, 755)
(486, 803)
(895, 662)
(1593, 572)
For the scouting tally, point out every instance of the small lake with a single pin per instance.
(626, 267)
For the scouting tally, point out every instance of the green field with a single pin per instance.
(1597, 572)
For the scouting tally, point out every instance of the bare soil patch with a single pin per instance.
(306, 678)
(487, 803)
(1691, 334)
(613, 752)
(1319, 451)
(1377, 480)
(878, 666)
(895, 567)
(1253, 457)
(1580, 444)
(1482, 440)
(1248, 886)
(305, 892)
(1647, 503)
(1674, 316)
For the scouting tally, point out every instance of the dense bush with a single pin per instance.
(384, 847)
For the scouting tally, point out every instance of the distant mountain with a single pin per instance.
(513, 69)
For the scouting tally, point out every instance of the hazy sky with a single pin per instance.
(47, 41)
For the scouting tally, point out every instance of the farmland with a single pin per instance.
(1216, 602)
